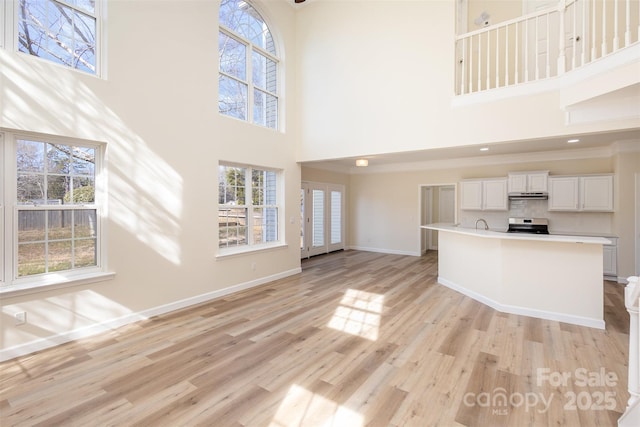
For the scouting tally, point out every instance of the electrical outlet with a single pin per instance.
(253, 266)
(21, 318)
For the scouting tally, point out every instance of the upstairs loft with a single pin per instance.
(589, 49)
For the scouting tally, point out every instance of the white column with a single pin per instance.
(631, 293)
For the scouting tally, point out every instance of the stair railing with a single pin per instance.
(544, 44)
(631, 295)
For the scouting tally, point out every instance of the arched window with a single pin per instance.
(248, 77)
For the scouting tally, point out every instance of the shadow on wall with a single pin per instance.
(145, 192)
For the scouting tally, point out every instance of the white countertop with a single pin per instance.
(502, 234)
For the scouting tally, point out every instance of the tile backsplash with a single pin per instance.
(559, 222)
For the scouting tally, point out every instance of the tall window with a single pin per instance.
(56, 220)
(60, 31)
(2, 214)
(248, 206)
(248, 77)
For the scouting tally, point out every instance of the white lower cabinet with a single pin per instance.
(610, 259)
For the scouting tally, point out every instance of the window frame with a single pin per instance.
(248, 82)
(12, 284)
(3, 241)
(3, 20)
(250, 245)
(9, 15)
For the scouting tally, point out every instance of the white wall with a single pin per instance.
(377, 77)
(385, 207)
(157, 112)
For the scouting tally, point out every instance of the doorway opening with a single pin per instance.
(437, 204)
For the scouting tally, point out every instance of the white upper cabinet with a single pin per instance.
(564, 193)
(471, 195)
(528, 182)
(485, 194)
(596, 193)
(581, 193)
(494, 195)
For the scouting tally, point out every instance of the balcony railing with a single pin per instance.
(544, 44)
(631, 416)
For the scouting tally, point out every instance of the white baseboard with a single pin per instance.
(88, 331)
(523, 311)
(384, 251)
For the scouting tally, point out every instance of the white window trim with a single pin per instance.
(4, 242)
(249, 61)
(3, 35)
(232, 251)
(9, 40)
(10, 284)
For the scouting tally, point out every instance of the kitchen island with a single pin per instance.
(555, 277)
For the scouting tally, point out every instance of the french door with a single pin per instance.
(322, 218)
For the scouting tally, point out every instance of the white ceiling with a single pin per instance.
(417, 159)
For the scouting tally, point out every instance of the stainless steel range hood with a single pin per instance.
(528, 196)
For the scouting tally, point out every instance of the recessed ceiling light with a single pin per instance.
(573, 141)
(362, 162)
(484, 149)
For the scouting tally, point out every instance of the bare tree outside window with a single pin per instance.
(64, 33)
(248, 78)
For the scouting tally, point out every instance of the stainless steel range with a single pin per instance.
(529, 225)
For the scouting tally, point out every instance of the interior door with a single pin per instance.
(322, 210)
(317, 220)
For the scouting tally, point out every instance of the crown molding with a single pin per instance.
(542, 156)
(628, 146)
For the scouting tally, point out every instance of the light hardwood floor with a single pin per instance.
(356, 339)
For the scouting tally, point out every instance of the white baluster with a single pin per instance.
(536, 53)
(631, 293)
(627, 32)
(506, 56)
(516, 58)
(489, 59)
(548, 54)
(593, 30)
(583, 30)
(574, 45)
(463, 66)
(498, 56)
(562, 7)
(604, 29)
(470, 67)
(480, 62)
(616, 39)
(526, 50)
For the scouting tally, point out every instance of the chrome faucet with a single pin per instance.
(486, 226)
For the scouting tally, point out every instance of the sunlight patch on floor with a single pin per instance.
(358, 314)
(302, 407)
